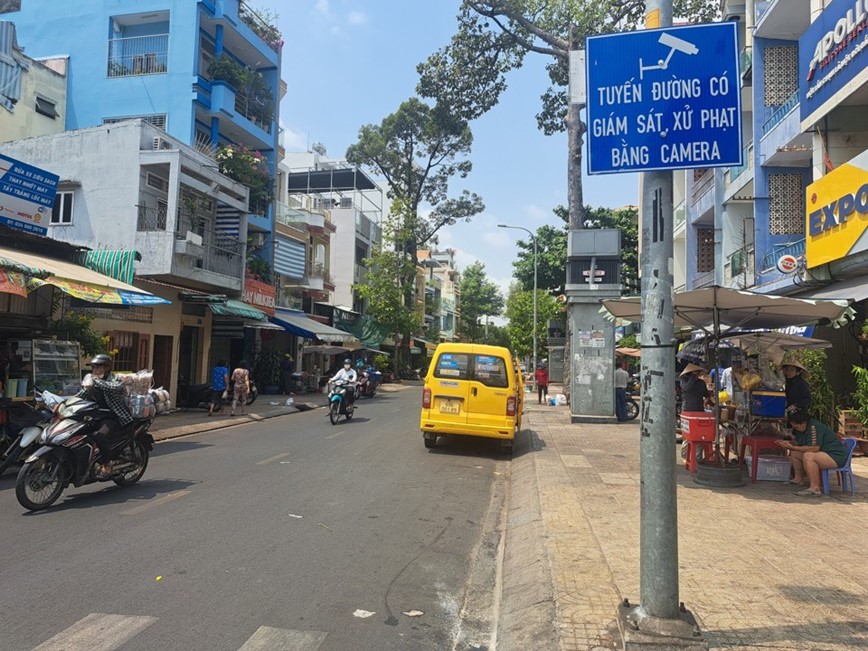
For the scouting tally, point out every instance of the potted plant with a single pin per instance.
(860, 400)
(266, 370)
(863, 333)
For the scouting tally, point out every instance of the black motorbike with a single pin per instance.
(369, 379)
(69, 454)
(340, 401)
(632, 399)
(198, 396)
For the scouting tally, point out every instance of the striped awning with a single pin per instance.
(238, 309)
(115, 264)
(20, 266)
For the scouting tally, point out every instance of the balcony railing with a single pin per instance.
(746, 156)
(739, 267)
(796, 249)
(704, 279)
(746, 60)
(138, 55)
(679, 216)
(151, 219)
(781, 112)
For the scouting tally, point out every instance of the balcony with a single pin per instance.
(138, 55)
(739, 269)
(745, 60)
(360, 273)
(705, 279)
(770, 260)
(781, 112)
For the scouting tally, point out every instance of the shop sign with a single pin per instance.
(787, 264)
(259, 294)
(837, 207)
(833, 51)
(26, 196)
(12, 282)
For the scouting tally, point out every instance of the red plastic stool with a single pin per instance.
(757, 445)
(707, 453)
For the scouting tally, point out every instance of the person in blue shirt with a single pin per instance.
(219, 383)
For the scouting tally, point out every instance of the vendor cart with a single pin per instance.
(47, 364)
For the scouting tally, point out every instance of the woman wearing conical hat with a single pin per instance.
(796, 387)
(693, 388)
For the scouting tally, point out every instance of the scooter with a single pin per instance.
(339, 401)
(20, 442)
(198, 396)
(632, 399)
(68, 452)
(369, 379)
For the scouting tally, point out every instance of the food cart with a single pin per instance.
(48, 364)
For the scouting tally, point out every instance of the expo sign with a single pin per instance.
(663, 99)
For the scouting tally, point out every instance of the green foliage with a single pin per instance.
(266, 367)
(263, 23)
(382, 363)
(480, 297)
(519, 311)
(256, 99)
(864, 331)
(627, 221)
(259, 268)
(551, 266)
(498, 336)
(251, 169)
(79, 327)
(417, 150)
(860, 395)
(823, 403)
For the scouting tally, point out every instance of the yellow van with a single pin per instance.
(471, 390)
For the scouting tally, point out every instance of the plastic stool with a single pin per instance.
(707, 452)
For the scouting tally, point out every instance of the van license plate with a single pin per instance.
(449, 407)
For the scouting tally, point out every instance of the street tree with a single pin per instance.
(480, 298)
(418, 150)
(389, 272)
(493, 37)
(519, 311)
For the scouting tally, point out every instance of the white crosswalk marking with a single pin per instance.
(267, 638)
(97, 632)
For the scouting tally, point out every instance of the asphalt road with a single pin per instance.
(285, 534)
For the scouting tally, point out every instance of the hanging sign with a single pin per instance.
(26, 196)
(787, 264)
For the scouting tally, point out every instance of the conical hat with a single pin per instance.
(692, 367)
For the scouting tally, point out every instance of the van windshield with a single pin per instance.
(455, 366)
(491, 371)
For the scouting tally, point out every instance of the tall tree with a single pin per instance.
(493, 37)
(418, 150)
(627, 221)
(519, 311)
(551, 266)
(480, 297)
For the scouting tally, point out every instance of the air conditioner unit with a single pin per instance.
(159, 143)
(194, 238)
(257, 239)
(346, 202)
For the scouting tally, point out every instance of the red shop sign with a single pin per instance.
(259, 294)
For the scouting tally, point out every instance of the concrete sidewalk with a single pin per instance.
(183, 422)
(760, 567)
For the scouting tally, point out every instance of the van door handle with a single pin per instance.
(473, 391)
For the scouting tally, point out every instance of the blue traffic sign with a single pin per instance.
(663, 99)
(26, 196)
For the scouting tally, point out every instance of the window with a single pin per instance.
(453, 366)
(61, 214)
(158, 182)
(127, 346)
(490, 370)
(157, 119)
(46, 107)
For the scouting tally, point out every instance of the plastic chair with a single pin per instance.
(845, 472)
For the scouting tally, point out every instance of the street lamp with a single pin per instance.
(533, 237)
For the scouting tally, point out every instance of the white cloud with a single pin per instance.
(538, 213)
(322, 7)
(357, 18)
(294, 140)
(497, 238)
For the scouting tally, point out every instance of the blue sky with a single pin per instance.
(352, 62)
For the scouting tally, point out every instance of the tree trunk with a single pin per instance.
(575, 132)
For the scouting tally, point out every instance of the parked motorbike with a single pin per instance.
(198, 396)
(19, 442)
(68, 452)
(339, 401)
(632, 399)
(369, 379)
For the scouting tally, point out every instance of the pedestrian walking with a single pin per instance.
(219, 387)
(286, 367)
(542, 383)
(240, 386)
(621, 379)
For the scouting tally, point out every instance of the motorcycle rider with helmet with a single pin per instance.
(107, 390)
(349, 375)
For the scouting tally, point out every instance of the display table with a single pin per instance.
(757, 445)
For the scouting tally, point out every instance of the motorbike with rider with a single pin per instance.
(342, 394)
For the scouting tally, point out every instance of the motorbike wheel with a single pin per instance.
(351, 409)
(39, 483)
(251, 397)
(334, 412)
(632, 409)
(140, 458)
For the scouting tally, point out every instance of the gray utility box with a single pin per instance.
(594, 259)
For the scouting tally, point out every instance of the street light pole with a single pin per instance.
(532, 237)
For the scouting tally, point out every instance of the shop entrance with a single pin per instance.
(191, 352)
(163, 361)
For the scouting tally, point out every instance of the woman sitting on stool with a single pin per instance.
(816, 448)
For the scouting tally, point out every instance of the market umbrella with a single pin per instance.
(714, 307)
(769, 342)
(629, 352)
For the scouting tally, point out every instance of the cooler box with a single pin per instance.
(771, 404)
(697, 426)
(771, 467)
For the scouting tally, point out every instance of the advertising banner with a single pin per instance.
(26, 196)
(12, 282)
(837, 220)
(96, 294)
(259, 294)
(833, 58)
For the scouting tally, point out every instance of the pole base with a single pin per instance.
(641, 632)
(590, 418)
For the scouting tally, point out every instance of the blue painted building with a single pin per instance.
(207, 72)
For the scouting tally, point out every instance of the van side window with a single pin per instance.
(491, 371)
(454, 366)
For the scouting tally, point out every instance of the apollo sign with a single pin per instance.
(835, 41)
(787, 264)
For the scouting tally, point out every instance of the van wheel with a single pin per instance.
(430, 440)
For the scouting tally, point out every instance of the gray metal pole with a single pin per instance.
(535, 259)
(658, 582)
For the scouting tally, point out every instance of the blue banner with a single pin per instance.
(26, 196)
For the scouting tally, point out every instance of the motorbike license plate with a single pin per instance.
(450, 407)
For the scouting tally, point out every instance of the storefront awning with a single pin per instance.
(299, 324)
(854, 288)
(79, 282)
(238, 309)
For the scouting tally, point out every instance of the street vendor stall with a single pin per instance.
(716, 310)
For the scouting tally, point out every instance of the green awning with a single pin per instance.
(114, 264)
(239, 309)
(20, 267)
